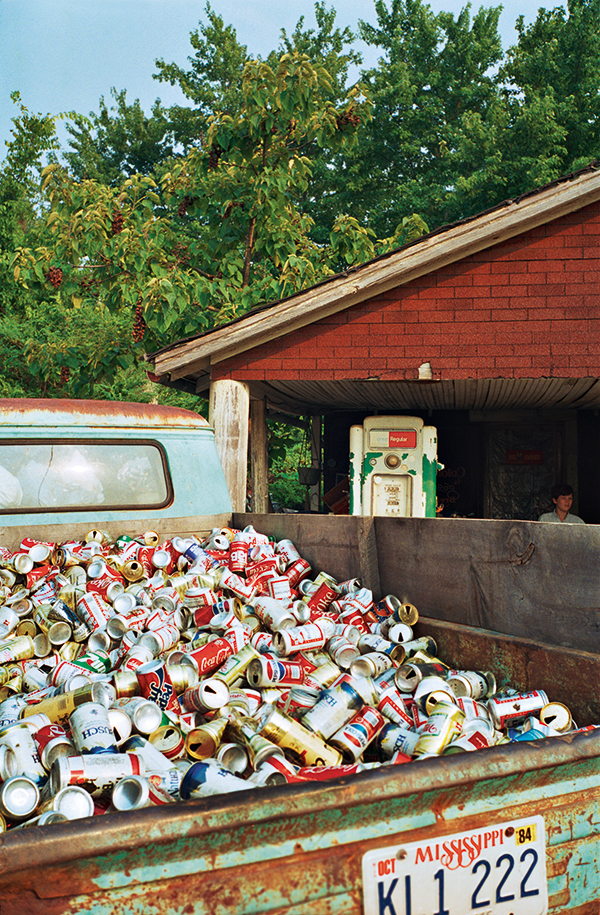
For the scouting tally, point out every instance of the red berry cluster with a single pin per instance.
(65, 375)
(55, 276)
(182, 254)
(183, 206)
(215, 154)
(139, 324)
(117, 222)
(348, 117)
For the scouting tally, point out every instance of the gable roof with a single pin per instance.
(438, 249)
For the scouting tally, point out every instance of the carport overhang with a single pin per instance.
(192, 364)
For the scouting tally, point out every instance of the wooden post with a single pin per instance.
(315, 461)
(259, 456)
(228, 414)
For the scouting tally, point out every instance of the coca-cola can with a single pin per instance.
(211, 656)
(322, 597)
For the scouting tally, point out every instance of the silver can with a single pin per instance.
(91, 729)
(19, 797)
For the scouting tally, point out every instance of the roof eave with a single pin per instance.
(432, 253)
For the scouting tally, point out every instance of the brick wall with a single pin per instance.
(526, 308)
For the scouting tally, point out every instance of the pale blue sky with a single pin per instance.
(62, 55)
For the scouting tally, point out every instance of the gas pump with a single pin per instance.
(393, 467)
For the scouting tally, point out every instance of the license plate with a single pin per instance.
(498, 870)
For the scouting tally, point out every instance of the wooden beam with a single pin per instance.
(259, 457)
(315, 461)
(401, 267)
(228, 414)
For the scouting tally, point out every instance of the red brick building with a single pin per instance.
(504, 307)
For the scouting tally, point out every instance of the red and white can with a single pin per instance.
(237, 585)
(322, 597)
(298, 570)
(288, 551)
(94, 611)
(97, 772)
(299, 638)
(238, 552)
(391, 704)
(507, 710)
(210, 657)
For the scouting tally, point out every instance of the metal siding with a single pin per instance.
(302, 850)
(524, 578)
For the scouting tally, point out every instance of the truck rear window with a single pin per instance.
(37, 475)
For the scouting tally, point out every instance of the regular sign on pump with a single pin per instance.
(496, 870)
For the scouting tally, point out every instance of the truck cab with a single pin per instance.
(90, 463)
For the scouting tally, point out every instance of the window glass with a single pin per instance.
(36, 475)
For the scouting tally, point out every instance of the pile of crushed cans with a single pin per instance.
(137, 673)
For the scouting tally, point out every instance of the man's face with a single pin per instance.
(563, 503)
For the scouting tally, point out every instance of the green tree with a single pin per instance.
(553, 82)
(33, 135)
(435, 73)
(119, 142)
(213, 83)
(218, 233)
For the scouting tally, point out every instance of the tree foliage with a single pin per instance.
(217, 233)
(119, 142)
(278, 172)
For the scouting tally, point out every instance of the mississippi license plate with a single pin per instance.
(498, 870)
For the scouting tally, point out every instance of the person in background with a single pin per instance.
(562, 496)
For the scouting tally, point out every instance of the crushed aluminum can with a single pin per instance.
(19, 798)
(356, 735)
(98, 773)
(443, 724)
(506, 710)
